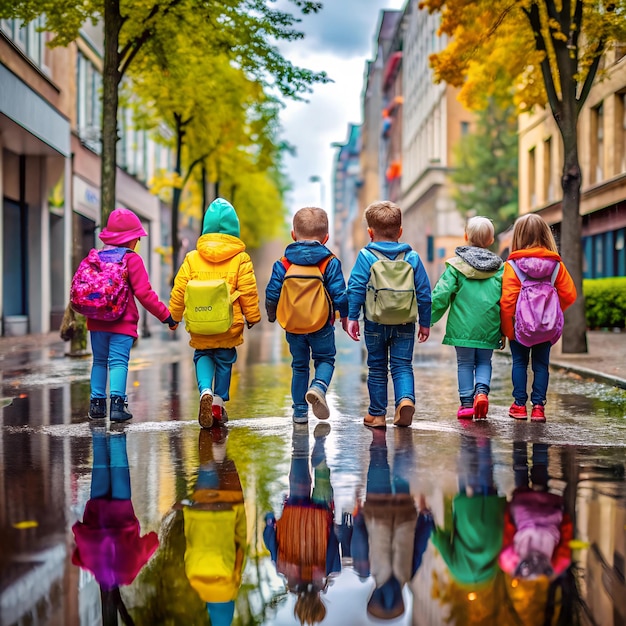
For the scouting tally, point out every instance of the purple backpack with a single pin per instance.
(538, 314)
(100, 289)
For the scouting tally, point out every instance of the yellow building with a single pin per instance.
(602, 155)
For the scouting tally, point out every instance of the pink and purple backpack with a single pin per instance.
(538, 313)
(100, 289)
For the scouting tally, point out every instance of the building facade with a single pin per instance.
(50, 172)
(602, 155)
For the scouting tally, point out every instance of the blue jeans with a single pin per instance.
(214, 367)
(111, 353)
(380, 478)
(473, 372)
(110, 475)
(475, 468)
(540, 361)
(539, 469)
(389, 347)
(320, 347)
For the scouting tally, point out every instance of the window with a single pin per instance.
(464, 128)
(597, 144)
(28, 37)
(89, 108)
(548, 188)
(532, 191)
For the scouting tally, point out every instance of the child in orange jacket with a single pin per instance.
(534, 251)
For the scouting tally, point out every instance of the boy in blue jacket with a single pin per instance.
(389, 346)
(310, 233)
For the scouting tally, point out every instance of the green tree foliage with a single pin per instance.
(547, 52)
(245, 31)
(485, 176)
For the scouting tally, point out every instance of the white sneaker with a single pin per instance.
(205, 413)
(317, 399)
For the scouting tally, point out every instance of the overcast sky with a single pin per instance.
(339, 40)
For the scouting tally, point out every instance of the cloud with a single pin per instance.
(339, 40)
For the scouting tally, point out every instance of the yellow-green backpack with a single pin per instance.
(209, 306)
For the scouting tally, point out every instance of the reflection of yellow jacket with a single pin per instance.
(214, 556)
(219, 256)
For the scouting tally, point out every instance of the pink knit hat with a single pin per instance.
(122, 226)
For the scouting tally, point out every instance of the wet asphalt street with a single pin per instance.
(149, 520)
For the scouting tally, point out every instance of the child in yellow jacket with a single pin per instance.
(219, 254)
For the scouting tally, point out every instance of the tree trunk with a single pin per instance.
(180, 132)
(110, 85)
(574, 331)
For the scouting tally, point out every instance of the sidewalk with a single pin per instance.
(605, 361)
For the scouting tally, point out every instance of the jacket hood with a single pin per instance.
(536, 267)
(306, 252)
(220, 217)
(215, 247)
(389, 248)
(479, 258)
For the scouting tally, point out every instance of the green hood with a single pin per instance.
(220, 217)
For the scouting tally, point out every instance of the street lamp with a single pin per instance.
(318, 179)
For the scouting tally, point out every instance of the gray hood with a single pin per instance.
(475, 262)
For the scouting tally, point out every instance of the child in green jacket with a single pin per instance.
(471, 287)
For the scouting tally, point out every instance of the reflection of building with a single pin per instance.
(602, 154)
(50, 115)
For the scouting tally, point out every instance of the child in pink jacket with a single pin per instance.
(111, 341)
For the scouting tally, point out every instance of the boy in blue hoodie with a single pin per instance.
(389, 346)
(310, 233)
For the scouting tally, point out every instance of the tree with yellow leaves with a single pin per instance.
(545, 52)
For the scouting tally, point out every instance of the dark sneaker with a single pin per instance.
(481, 406)
(300, 419)
(317, 399)
(518, 412)
(538, 413)
(119, 409)
(205, 411)
(97, 408)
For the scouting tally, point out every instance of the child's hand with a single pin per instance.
(352, 328)
(173, 325)
(423, 334)
(502, 344)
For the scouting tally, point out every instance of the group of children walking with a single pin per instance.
(215, 292)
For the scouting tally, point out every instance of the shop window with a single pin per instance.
(597, 144)
(532, 189)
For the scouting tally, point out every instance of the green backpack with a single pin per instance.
(390, 295)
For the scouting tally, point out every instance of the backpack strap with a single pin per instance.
(518, 272)
(555, 273)
(322, 265)
(523, 276)
(383, 257)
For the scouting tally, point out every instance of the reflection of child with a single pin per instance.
(215, 528)
(470, 547)
(108, 541)
(537, 531)
(302, 543)
(396, 534)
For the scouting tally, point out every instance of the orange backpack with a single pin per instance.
(304, 305)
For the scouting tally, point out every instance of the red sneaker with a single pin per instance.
(518, 412)
(465, 412)
(219, 414)
(538, 413)
(481, 406)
